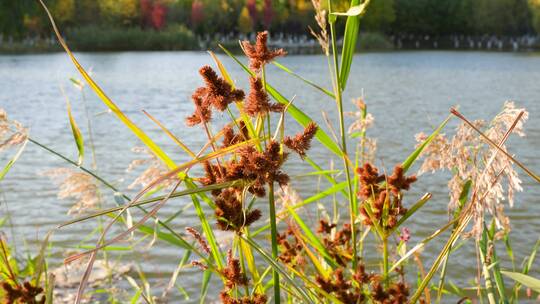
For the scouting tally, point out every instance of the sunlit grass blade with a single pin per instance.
(12, 161)
(250, 259)
(295, 112)
(108, 102)
(309, 82)
(77, 135)
(350, 38)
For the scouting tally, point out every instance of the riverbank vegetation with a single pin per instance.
(350, 242)
(92, 25)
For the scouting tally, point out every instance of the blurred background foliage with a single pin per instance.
(191, 18)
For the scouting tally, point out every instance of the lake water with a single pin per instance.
(407, 92)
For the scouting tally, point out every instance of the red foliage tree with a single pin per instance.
(197, 12)
(252, 8)
(268, 13)
(153, 14)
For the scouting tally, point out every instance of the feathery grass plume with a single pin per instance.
(154, 170)
(230, 213)
(202, 113)
(76, 185)
(465, 154)
(360, 123)
(259, 54)
(363, 121)
(25, 293)
(217, 92)
(381, 198)
(322, 36)
(258, 101)
(12, 133)
(288, 197)
(302, 141)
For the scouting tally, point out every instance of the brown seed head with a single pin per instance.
(258, 101)
(259, 54)
(302, 141)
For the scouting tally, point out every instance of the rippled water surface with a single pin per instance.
(407, 92)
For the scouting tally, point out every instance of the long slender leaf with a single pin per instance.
(12, 161)
(524, 279)
(77, 135)
(350, 39)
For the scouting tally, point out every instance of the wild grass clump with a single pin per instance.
(99, 38)
(276, 254)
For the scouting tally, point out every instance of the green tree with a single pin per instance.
(501, 17)
(535, 12)
(379, 16)
(63, 11)
(119, 12)
(245, 24)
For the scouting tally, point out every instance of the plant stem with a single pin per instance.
(273, 228)
(385, 260)
(339, 101)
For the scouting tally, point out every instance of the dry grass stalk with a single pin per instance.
(321, 36)
(466, 154)
(154, 170)
(12, 133)
(78, 186)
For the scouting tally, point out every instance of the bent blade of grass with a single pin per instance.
(312, 239)
(250, 259)
(296, 113)
(309, 82)
(12, 161)
(277, 267)
(107, 101)
(77, 135)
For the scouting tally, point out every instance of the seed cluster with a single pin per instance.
(25, 293)
(382, 202)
